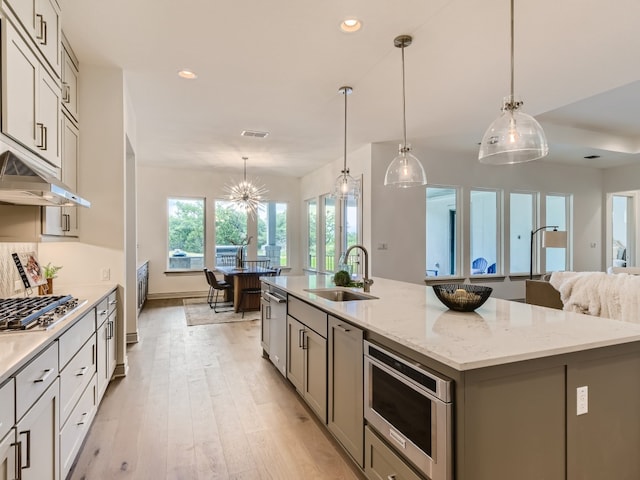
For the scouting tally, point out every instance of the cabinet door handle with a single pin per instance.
(41, 35)
(44, 137)
(300, 338)
(18, 447)
(111, 329)
(66, 95)
(28, 434)
(40, 139)
(344, 329)
(81, 372)
(304, 340)
(47, 373)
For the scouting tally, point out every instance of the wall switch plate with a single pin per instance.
(105, 274)
(582, 400)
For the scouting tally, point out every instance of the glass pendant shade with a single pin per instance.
(514, 137)
(346, 186)
(405, 171)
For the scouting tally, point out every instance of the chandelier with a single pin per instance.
(245, 195)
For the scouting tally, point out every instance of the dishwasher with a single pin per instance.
(274, 326)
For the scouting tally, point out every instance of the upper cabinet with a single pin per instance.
(70, 74)
(31, 111)
(41, 20)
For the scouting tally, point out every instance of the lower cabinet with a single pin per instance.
(106, 343)
(307, 365)
(345, 379)
(8, 456)
(382, 463)
(143, 284)
(75, 429)
(38, 438)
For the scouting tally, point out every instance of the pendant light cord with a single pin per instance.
(512, 99)
(404, 109)
(345, 93)
(245, 169)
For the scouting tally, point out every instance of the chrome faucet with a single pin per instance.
(366, 281)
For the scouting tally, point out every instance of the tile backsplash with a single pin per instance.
(8, 270)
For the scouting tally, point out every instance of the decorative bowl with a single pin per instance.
(461, 297)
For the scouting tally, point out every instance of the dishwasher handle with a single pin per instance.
(275, 298)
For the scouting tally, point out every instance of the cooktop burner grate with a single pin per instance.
(38, 313)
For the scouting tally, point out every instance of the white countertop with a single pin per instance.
(499, 332)
(17, 348)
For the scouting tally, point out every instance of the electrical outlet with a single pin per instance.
(18, 286)
(105, 274)
(582, 400)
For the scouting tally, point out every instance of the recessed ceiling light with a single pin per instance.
(350, 25)
(254, 133)
(188, 74)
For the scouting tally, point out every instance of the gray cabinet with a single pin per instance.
(307, 354)
(8, 457)
(382, 463)
(38, 437)
(143, 284)
(106, 317)
(345, 379)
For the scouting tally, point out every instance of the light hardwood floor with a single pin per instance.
(201, 403)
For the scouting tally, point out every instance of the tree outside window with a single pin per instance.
(186, 237)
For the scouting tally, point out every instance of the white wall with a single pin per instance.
(156, 185)
(398, 217)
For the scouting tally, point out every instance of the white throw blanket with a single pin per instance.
(600, 294)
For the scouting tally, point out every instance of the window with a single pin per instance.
(186, 233)
(522, 209)
(484, 232)
(231, 231)
(557, 213)
(272, 233)
(328, 233)
(442, 231)
(312, 233)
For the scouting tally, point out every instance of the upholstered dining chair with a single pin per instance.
(215, 287)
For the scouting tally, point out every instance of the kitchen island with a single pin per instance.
(516, 371)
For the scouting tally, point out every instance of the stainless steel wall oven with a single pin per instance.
(411, 408)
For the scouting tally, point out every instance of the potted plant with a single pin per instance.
(50, 272)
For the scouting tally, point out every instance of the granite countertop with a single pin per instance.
(497, 333)
(17, 348)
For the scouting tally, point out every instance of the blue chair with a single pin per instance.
(479, 265)
(492, 268)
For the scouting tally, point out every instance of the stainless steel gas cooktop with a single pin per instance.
(36, 313)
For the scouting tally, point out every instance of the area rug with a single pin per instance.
(198, 312)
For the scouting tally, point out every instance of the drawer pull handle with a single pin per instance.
(344, 329)
(81, 422)
(82, 371)
(392, 477)
(103, 312)
(113, 302)
(47, 373)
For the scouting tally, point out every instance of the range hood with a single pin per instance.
(23, 183)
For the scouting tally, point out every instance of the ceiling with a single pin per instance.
(277, 66)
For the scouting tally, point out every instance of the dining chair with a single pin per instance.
(255, 263)
(226, 260)
(215, 287)
(479, 265)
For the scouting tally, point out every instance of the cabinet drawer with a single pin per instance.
(75, 377)
(7, 407)
(105, 308)
(312, 317)
(382, 463)
(74, 431)
(73, 339)
(33, 380)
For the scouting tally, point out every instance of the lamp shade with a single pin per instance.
(554, 239)
(346, 186)
(514, 137)
(405, 171)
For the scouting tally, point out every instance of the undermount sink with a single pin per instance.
(339, 295)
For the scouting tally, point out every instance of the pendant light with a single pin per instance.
(514, 137)
(405, 170)
(346, 186)
(245, 195)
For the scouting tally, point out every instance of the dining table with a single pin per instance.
(245, 277)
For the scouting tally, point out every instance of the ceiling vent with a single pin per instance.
(254, 133)
(591, 157)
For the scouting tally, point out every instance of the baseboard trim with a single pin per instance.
(172, 295)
